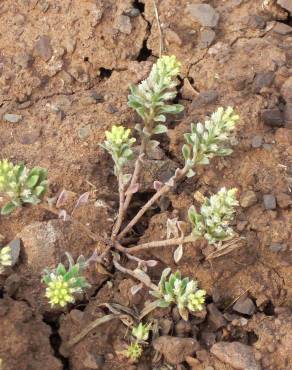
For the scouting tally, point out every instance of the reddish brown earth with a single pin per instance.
(65, 68)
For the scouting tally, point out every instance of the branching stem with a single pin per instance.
(144, 278)
(162, 243)
(136, 173)
(120, 218)
(179, 175)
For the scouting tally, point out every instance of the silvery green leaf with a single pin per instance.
(163, 304)
(160, 129)
(153, 144)
(190, 173)
(186, 151)
(8, 208)
(160, 118)
(204, 161)
(178, 253)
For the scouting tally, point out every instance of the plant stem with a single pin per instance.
(120, 218)
(136, 173)
(162, 191)
(162, 243)
(143, 278)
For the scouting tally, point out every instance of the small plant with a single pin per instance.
(119, 144)
(63, 284)
(182, 292)
(213, 221)
(21, 185)
(134, 351)
(5, 258)
(141, 332)
(141, 335)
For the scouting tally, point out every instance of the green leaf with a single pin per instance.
(160, 129)
(32, 181)
(31, 199)
(162, 304)
(188, 138)
(61, 269)
(8, 208)
(186, 151)
(192, 215)
(224, 152)
(127, 153)
(172, 109)
(160, 118)
(39, 191)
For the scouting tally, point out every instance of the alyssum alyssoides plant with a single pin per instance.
(151, 100)
(140, 335)
(19, 185)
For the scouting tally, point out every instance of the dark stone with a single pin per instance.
(205, 98)
(175, 350)
(207, 36)
(263, 79)
(273, 117)
(256, 21)
(132, 12)
(269, 201)
(208, 338)
(24, 60)
(282, 29)
(43, 48)
(205, 14)
(237, 355)
(286, 4)
(31, 137)
(12, 284)
(96, 96)
(215, 317)
(277, 247)
(245, 306)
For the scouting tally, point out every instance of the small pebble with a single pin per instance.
(269, 201)
(12, 118)
(257, 141)
(277, 247)
(248, 199)
(84, 132)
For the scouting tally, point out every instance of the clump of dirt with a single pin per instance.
(65, 69)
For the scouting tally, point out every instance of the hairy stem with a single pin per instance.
(144, 278)
(120, 218)
(136, 173)
(162, 191)
(162, 243)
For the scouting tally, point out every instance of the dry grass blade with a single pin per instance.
(227, 248)
(88, 328)
(161, 43)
